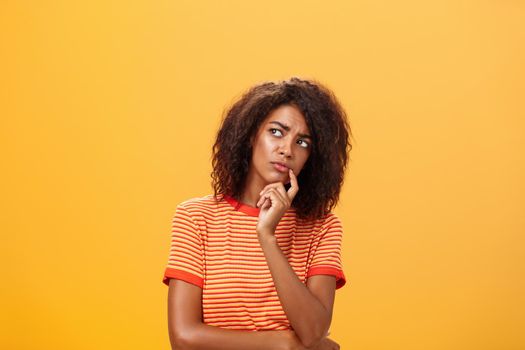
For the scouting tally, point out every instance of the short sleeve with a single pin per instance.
(186, 256)
(327, 251)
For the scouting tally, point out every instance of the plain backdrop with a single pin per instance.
(109, 110)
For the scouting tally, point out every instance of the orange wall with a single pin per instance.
(109, 109)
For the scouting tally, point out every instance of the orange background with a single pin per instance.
(109, 110)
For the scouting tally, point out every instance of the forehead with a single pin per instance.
(289, 115)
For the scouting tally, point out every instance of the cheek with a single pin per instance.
(262, 150)
(266, 145)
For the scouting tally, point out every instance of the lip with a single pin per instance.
(281, 167)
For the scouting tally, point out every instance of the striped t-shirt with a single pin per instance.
(215, 246)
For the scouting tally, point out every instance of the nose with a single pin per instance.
(285, 149)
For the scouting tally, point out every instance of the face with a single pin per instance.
(283, 137)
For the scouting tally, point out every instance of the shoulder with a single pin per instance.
(329, 222)
(331, 219)
(325, 220)
(322, 225)
(198, 205)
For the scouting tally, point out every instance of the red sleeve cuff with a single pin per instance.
(181, 275)
(340, 279)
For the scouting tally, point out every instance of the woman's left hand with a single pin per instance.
(273, 203)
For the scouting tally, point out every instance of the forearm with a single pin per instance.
(308, 317)
(206, 337)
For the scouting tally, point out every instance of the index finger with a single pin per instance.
(292, 191)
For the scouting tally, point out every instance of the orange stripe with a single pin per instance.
(216, 248)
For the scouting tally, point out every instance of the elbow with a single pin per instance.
(181, 344)
(181, 339)
(311, 341)
(177, 342)
(318, 332)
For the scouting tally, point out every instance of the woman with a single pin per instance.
(256, 264)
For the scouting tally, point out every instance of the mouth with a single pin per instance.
(280, 167)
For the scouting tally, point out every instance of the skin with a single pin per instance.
(283, 137)
(273, 143)
(265, 189)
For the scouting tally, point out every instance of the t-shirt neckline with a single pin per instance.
(242, 207)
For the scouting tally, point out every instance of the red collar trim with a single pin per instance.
(244, 208)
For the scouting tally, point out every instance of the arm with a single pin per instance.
(309, 308)
(187, 330)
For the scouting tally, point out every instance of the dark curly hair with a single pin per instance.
(322, 176)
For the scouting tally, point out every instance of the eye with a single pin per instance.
(276, 130)
(304, 144)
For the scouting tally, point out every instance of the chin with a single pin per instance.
(277, 177)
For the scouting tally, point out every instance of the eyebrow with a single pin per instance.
(287, 128)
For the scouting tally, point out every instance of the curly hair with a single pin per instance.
(322, 176)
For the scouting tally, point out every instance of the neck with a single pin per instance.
(250, 195)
